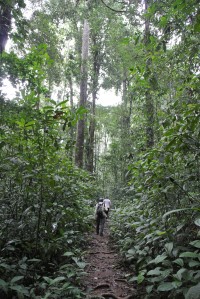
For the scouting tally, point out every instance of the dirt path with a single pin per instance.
(105, 277)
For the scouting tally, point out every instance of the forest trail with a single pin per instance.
(105, 277)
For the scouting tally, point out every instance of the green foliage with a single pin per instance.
(157, 230)
(30, 69)
(45, 198)
(44, 201)
(193, 292)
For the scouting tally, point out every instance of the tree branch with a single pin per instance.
(118, 11)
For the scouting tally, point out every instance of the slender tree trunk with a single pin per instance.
(83, 96)
(148, 97)
(126, 142)
(96, 70)
(72, 129)
(71, 92)
(90, 146)
(5, 24)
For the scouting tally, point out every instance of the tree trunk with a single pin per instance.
(96, 70)
(5, 24)
(83, 96)
(72, 129)
(90, 145)
(148, 98)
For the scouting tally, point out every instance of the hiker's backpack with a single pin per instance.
(100, 210)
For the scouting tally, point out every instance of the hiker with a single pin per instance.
(107, 205)
(100, 217)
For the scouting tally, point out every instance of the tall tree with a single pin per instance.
(83, 95)
(5, 23)
(97, 29)
(9, 9)
(148, 97)
(96, 70)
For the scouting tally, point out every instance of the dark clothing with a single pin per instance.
(100, 221)
(107, 211)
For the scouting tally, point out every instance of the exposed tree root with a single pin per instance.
(102, 252)
(110, 295)
(122, 280)
(130, 296)
(102, 285)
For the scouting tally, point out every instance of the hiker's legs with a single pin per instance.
(97, 225)
(102, 222)
(107, 211)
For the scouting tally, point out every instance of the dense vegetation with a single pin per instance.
(60, 150)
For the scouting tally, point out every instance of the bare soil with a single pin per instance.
(106, 278)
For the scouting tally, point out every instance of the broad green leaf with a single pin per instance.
(21, 123)
(68, 253)
(3, 283)
(165, 287)
(159, 233)
(179, 261)
(169, 247)
(177, 284)
(163, 21)
(195, 243)
(140, 278)
(194, 263)
(81, 110)
(19, 288)
(197, 222)
(48, 279)
(149, 289)
(155, 271)
(179, 273)
(81, 265)
(57, 279)
(131, 251)
(166, 273)
(50, 108)
(160, 258)
(66, 286)
(16, 278)
(30, 123)
(193, 292)
(134, 278)
(5, 266)
(190, 254)
(52, 101)
(61, 103)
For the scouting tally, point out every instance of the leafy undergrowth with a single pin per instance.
(53, 272)
(165, 257)
(44, 205)
(157, 222)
